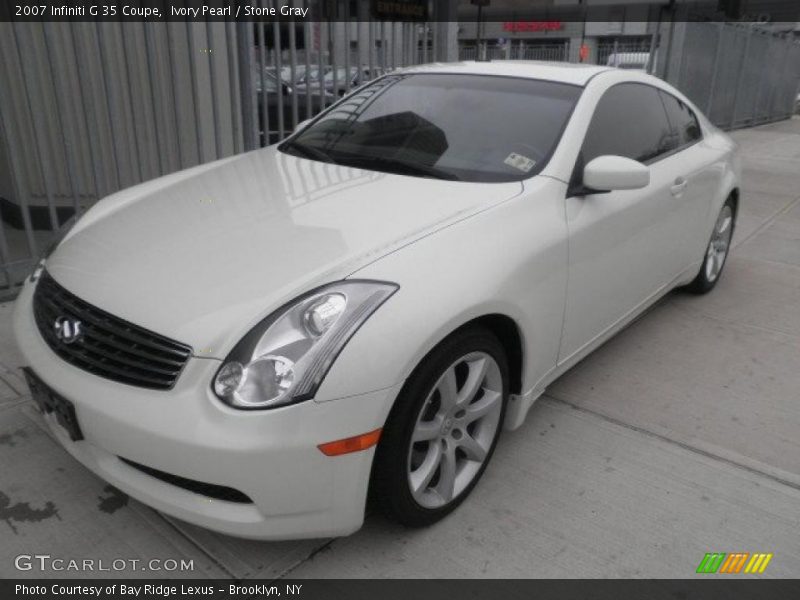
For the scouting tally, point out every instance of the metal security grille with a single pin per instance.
(624, 53)
(551, 50)
(739, 75)
(87, 109)
(107, 346)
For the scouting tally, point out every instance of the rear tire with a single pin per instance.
(717, 250)
(443, 429)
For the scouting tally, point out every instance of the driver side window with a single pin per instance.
(629, 121)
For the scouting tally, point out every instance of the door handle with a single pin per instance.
(678, 187)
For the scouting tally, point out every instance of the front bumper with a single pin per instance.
(270, 456)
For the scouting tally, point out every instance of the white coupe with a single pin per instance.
(255, 344)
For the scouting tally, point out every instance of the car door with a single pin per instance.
(697, 173)
(622, 244)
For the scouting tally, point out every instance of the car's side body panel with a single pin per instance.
(650, 240)
(509, 260)
(627, 245)
(620, 253)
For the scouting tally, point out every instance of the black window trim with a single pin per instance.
(576, 188)
(674, 128)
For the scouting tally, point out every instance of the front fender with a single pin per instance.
(509, 260)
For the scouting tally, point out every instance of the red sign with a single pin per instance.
(517, 26)
(584, 52)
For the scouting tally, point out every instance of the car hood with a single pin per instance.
(203, 254)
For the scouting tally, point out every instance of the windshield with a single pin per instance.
(461, 127)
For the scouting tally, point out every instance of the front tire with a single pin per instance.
(443, 429)
(716, 251)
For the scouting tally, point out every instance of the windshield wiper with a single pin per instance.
(307, 151)
(395, 165)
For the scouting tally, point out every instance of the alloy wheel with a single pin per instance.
(455, 430)
(720, 243)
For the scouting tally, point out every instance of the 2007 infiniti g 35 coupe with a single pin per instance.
(253, 344)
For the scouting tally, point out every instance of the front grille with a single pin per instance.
(211, 490)
(107, 345)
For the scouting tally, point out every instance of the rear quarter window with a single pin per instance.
(683, 120)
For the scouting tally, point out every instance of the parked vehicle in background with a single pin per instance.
(637, 61)
(302, 76)
(335, 81)
(278, 94)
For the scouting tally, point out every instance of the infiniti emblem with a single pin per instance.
(68, 330)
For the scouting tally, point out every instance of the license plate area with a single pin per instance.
(49, 401)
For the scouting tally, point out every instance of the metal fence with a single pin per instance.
(738, 75)
(550, 51)
(89, 108)
(624, 54)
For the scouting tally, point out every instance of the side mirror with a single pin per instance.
(606, 173)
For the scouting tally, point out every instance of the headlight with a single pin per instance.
(285, 357)
(57, 238)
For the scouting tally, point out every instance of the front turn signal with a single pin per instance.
(351, 444)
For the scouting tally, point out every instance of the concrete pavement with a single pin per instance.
(678, 437)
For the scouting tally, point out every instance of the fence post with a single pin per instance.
(740, 76)
(650, 67)
(59, 86)
(783, 79)
(307, 76)
(714, 69)
(39, 139)
(370, 52)
(760, 87)
(9, 130)
(20, 189)
(293, 69)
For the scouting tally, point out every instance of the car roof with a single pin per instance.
(563, 72)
